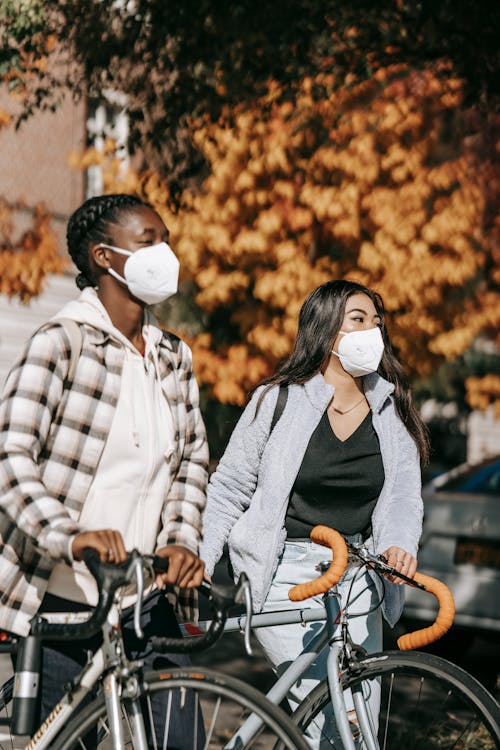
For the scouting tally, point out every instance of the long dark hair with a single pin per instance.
(91, 224)
(320, 320)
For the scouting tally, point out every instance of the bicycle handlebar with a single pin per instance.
(221, 597)
(110, 578)
(417, 639)
(328, 538)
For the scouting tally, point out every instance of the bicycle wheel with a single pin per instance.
(426, 702)
(6, 692)
(222, 704)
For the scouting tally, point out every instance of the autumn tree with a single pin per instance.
(352, 140)
(27, 256)
(387, 182)
(390, 182)
(180, 61)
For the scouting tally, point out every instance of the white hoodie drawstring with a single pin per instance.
(152, 367)
(135, 431)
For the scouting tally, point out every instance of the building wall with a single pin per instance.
(34, 163)
(18, 321)
(34, 169)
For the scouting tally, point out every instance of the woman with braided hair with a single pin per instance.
(110, 454)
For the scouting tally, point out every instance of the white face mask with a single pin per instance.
(151, 273)
(360, 352)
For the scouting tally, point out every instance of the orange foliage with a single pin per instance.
(24, 77)
(388, 182)
(117, 179)
(25, 263)
(362, 183)
(482, 392)
(5, 118)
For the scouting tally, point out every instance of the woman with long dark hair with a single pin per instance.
(345, 452)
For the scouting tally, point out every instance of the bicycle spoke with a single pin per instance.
(212, 723)
(151, 723)
(209, 711)
(195, 733)
(127, 721)
(388, 713)
(416, 706)
(166, 727)
(426, 703)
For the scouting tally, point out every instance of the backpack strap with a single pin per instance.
(278, 411)
(75, 337)
(280, 406)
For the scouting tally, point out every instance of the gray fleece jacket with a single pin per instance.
(248, 493)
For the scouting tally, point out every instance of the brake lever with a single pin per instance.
(139, 579)
(381, 562)
(244, 596)
(390, 570)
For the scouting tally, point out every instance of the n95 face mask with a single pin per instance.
(360, 352)
(151, 273)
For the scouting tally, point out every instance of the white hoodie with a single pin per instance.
(133, 475)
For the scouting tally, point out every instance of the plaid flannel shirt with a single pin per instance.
(52, 434)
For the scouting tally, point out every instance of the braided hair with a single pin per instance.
(90, 224)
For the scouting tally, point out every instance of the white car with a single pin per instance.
(461, 545)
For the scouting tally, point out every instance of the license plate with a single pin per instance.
(478, 552)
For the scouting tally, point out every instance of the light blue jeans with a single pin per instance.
(283, 643)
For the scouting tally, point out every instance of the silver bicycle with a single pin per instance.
(425, 702)
(132, 708)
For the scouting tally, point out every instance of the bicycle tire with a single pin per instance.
(468, 718)
(210, 688)
(6, 693)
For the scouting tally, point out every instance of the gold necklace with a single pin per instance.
(350, 408)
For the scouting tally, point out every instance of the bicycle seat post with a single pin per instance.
(26, 685)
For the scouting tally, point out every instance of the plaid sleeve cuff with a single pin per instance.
(58, 543)
(69, 550)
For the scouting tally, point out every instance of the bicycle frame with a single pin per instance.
(105, 661)
(334, 633)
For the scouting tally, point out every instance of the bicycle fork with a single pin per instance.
(124, 695)
(121, 689)
(368, 736)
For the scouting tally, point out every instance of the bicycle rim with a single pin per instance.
(221, 705)
(426, 703)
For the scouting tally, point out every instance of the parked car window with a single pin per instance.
(481, 480)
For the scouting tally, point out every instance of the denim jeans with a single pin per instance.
(283, 643)
(63, 661)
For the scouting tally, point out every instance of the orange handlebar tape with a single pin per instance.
(328, 538)
(444, 619)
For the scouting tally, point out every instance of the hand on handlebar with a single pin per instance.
(185, 569)
(107, 543)
(401, 561)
